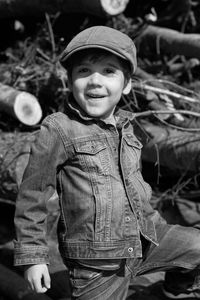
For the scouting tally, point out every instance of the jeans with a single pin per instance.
(178, 253)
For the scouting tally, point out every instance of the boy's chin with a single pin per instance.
(95, 115)
(98, 113)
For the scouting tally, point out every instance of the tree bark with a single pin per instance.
(20, 8)
(21, 105)
(164, 40)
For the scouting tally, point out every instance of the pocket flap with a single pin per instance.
(133, 141)
(90, 147)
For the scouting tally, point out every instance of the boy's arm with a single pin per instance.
(38, 185)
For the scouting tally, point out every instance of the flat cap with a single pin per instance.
(102, 37)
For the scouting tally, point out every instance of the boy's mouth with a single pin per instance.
(95, 96)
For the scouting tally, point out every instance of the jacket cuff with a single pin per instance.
(26, 255)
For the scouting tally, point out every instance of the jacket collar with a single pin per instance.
(121, 116)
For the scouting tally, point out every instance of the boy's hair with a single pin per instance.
(104, 38)
(95, 55)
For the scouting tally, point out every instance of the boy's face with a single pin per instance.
(97, 85)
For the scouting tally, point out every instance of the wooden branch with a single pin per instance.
(21, 105)
(157, 112)
(19, 8)
(164, 91)
(167, 40)
(150, 95)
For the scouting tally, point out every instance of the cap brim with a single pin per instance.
(66, 56)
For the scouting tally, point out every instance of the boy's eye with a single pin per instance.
(109, 71)
(83, 70)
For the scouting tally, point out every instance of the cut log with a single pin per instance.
(165, 40)
(20, 8)
(21, 105)
(114, 7)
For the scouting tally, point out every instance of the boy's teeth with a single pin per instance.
(95, 96)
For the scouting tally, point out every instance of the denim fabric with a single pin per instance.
(104, 204)
(94, 284)
(177, 253)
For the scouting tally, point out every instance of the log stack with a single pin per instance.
(20, 8)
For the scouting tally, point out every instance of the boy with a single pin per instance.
(107, 230)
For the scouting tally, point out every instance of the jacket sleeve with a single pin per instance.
(38, 185)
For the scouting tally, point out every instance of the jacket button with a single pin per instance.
(130, 249)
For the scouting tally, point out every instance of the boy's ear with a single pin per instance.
(127, 87)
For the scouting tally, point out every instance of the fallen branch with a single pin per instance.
(175, 111)
(165, 92)
(161, 95)
(165, 40)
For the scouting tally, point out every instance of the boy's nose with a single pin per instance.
(95, 78)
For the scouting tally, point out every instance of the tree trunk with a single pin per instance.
(164, 40)
(21, 105)
(20, 8)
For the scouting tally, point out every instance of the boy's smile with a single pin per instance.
(98, 85)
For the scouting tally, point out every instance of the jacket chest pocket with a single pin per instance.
(93, 157)
(132, 153)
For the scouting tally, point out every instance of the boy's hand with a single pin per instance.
(38, 277)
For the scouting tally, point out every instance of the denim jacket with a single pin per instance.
(104, 201)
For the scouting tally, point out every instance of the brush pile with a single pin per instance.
(165, 90)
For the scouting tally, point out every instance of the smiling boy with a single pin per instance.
(97, 85)
(107, 231)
